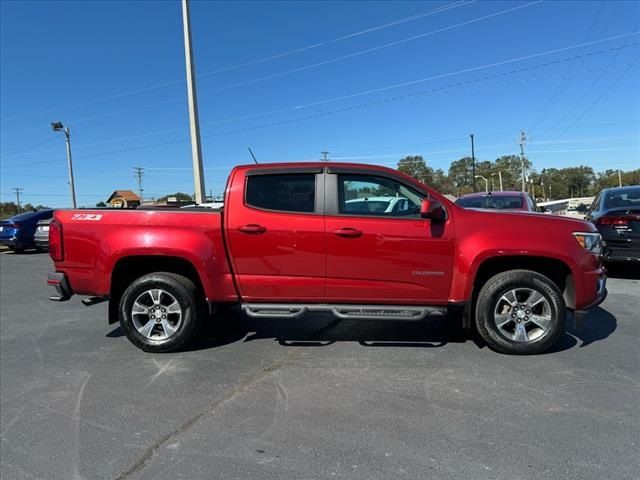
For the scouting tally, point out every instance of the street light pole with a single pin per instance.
(473, 162)
(67, 134)
(196, 149)
(486, 182)
(59, 127)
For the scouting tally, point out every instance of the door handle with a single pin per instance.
(252, 228)
(348, 232)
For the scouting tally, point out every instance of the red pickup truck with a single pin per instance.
(361, 242)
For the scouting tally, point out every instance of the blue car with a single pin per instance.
(17, 232)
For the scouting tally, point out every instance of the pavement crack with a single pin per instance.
(234, 392)
(230, 394)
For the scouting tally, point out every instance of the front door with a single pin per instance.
(379, 249)
(276, 236)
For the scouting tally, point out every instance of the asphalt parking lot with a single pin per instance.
(311, 398)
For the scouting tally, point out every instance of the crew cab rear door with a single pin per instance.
(275, 234)
(379, 249)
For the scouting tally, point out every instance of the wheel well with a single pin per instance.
(556, 270)
(128, 269)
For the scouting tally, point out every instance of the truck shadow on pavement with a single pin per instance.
(598, 325)
(321, 330)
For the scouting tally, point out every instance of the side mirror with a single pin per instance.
(432, 209)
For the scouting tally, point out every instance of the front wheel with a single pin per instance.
(160, 312)
(520, 312)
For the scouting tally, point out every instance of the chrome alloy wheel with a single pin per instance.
(156, 314)
(522, 315)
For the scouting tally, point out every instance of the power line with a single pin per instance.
(28, 147)
(368, 92)
(591, 87)
(597, 99)
(437, 90)
(373, 49)
(252, 62)
(561, 83)
(339, 58)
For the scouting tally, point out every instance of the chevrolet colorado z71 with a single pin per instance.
(290, 239)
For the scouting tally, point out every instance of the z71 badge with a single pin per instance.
(91, 217)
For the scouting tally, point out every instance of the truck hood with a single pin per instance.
(536, 220)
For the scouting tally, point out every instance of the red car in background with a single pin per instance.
(499, 201)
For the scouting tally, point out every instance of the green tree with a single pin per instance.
(442, 182)
(8, 209)
(510, 167)
(578, 180)
(416, 167)
(461, 175)
(101, 204)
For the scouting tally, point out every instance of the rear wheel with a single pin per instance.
(160, 312)
(520, 312)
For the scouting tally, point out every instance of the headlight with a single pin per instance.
(589, 241)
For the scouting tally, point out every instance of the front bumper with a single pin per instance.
(579, 315)
(59, 281)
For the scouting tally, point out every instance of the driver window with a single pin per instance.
(376, 196)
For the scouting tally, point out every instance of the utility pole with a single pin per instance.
(138, 173)
(194, 122)
(619, 179)
(500, 178)
(473, 163)
(59, 127)
(324, 155)
(523, 141)
(18, 190)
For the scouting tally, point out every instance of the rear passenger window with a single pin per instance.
(286, 193)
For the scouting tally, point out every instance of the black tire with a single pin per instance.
(493, 306)
(183, 291)
(17, 249)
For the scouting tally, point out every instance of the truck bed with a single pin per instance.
(96, 239)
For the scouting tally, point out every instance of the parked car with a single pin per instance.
(287, 243)
(380, 205)
(499, 200)
(17, 232)
(41, 237)
(616, 214)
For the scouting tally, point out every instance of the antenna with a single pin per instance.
(254, 157)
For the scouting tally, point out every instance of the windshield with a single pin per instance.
(499, 202)
(625, 198)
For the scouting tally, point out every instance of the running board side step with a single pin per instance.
(344, 312)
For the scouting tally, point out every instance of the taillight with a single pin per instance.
(56, 251)
(613, 221)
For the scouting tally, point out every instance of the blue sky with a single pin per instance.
(366, 81)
